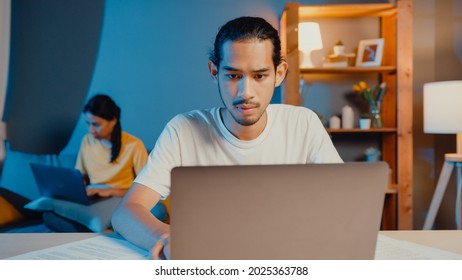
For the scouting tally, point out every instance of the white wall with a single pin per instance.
(437, 57)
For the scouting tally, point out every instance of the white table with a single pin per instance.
(447, 240)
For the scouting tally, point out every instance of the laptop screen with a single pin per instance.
(317, 211)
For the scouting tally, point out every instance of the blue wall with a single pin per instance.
(152, 59)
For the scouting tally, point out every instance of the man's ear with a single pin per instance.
(213, 69)
(281, 72)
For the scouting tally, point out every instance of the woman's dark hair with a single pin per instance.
(104, 107)
(244, 29)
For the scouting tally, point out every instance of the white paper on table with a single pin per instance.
(393, 249)
(95, 248)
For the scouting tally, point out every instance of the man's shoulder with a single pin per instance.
(200, 113)
(198, 116)
(293, 117)
(291, 110)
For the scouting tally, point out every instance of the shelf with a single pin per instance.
(358, 130)
(343, 11)
(394, 25)
(348, 70)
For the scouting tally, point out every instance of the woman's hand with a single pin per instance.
(106, 192)
(161, 250)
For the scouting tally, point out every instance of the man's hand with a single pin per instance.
(161, 250)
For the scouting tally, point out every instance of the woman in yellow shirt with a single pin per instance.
(109, 158)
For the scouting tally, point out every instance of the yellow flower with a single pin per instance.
(361, 86)
(368, 95)
(373, 97)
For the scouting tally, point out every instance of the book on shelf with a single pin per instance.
(341, 60)
(328, 64)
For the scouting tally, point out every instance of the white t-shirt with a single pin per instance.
(293, 135)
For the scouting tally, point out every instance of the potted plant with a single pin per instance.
(364, 121)
(339, 48)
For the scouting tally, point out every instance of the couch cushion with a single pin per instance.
(18, 202)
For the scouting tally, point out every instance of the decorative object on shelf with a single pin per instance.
(372, 154)
(374, 99)
(364, 121)
(370, 52)
(443, 115)
(339, 48)
(339, 58)
(334, 62)
(309, 39)
(343, 60)
(347, 117)
(376, 116)
(334, 122)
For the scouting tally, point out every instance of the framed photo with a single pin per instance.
(370, 52)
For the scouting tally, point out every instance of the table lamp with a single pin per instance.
(309, 39)
(443, 115)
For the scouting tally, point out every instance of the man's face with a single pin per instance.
(246, 79)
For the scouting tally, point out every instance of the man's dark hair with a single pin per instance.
(104, 107)
(244, 29)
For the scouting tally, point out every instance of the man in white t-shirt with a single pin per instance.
(247, 66)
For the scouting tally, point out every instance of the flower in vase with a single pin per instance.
(373, 97)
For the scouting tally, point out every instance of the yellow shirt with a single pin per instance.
(94, 160)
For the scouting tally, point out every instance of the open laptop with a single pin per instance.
(62, 183)
(314, 211)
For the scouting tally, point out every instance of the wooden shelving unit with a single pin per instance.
(396, 71)
(357, 130)
(349, 70)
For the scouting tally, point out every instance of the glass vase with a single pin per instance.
(376, 117)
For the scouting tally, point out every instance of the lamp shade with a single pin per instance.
(443, 107)
(309, 36)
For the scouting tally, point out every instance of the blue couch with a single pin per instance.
(22, 209)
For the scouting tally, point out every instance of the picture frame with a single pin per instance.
(370, 52)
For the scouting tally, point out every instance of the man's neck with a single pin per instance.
(243, 132)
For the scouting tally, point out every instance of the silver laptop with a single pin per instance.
(315, 211)
(62, 183)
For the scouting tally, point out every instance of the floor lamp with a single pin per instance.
(443, 115)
